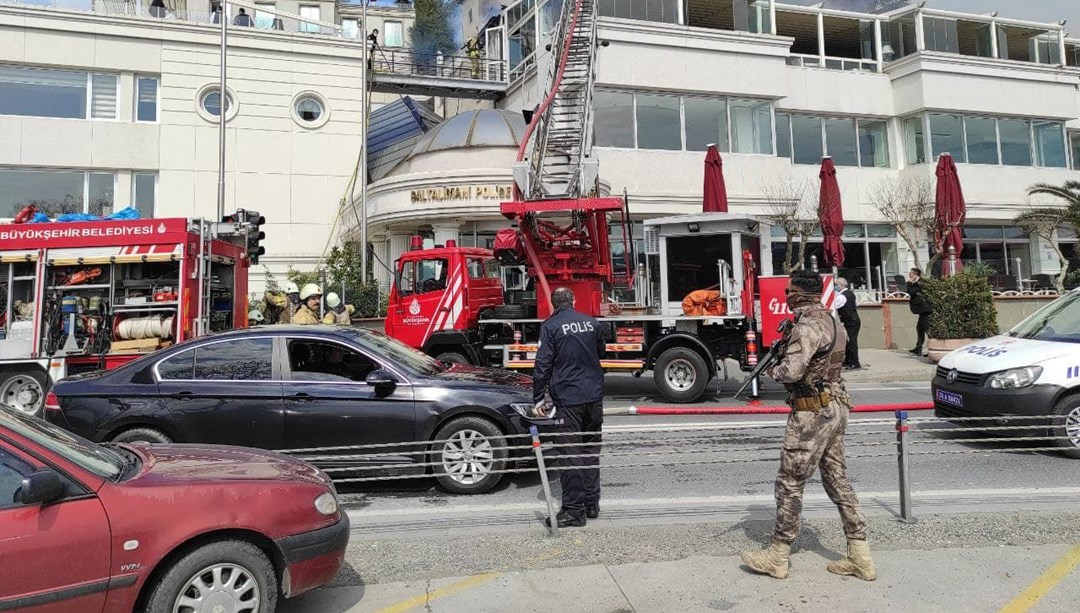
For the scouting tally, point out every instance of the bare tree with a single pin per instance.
(789, 206)
(907, 204)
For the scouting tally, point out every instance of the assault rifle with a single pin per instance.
(772, 356)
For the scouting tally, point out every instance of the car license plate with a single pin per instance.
(950, 398)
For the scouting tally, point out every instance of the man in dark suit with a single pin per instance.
(848, 313)
(919, 306)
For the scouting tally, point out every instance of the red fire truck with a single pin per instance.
(79, 296)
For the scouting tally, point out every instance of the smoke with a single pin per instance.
(456, 23)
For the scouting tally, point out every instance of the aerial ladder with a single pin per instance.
(561, 220)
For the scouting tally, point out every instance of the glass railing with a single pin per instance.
(832, 63)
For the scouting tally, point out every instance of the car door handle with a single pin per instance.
(185, 395)
(302, 397)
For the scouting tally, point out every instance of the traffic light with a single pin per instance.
(255, 235)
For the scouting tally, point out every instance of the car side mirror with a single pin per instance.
(383, 381)
(40, 487)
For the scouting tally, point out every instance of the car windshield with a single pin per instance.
(416, 361)
(99, 460)
(1058, 321)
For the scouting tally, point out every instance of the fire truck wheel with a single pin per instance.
(24, 390)
(681, 375)
(141, 435)
(452, 357)
(470, 455)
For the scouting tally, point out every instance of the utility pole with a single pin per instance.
(223, 99)
(368, 56)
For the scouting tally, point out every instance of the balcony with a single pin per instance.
(406, 72)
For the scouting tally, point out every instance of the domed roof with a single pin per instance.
(480, 128)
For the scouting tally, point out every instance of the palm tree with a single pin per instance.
(1044, 220)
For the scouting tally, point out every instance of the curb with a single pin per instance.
(763, 409)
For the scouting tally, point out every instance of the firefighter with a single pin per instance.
(568, 368)
(278, 306)
(255, 318)
(473, 49)
(308, 313)
(337, 313)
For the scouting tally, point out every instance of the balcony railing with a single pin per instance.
(832, 63)
(459, 67)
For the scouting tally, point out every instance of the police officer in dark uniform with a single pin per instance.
(568, 368)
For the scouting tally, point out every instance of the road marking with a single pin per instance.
(449, 590)
(1041, 586)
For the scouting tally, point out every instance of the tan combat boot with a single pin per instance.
(857, 563)
(773, 560)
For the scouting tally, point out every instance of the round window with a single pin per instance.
(211, 102)
(309, 109)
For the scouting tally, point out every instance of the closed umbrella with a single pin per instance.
(715, 196)
(950, 212)
(831, 215)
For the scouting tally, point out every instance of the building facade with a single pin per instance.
(112, 106)
(777, 87)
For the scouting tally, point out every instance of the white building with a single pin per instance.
(777, 87)
(111, 106)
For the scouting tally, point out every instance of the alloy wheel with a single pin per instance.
(467, 457)
(221, 588)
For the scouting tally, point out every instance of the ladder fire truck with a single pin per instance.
(82, 296)
(452, 302)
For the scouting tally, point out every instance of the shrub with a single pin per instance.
(963, 305)
(1072, 280)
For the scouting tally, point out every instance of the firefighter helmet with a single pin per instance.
(310, 290)
(290, 288)
(256, 316)
(332, 300)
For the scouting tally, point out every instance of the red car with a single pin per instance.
(176, 528)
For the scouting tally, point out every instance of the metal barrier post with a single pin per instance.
(902, 450)
(554, 527)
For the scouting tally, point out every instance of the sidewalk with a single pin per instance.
(1008, 578)
(884, 366)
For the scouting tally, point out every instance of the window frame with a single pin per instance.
(307, 27)
(401, 33)
(134, 190)
(157, 99)
(85, 179)
(275, 375)
(285, 369)
(232, 104)
(88, 92)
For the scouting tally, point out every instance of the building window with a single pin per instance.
(947, 136)
(706, 123)
(350, 28)
(806, 140)
(39, 92)
(1049, 144)
(1015, 137)
(783, 135)
(658, 124)
(1074, 138)
(310, 110)
(614, 119)
(210, 103)
(914, 140)
(751, 126)
(665, 11)
(393, 35)
(840, 142)
(873, 144)
(144, 193)
(982, 145)
(311, 13)
(941, 35)
(146, 99)
(56, 192)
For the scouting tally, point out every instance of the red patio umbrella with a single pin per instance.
(831, 215)
(949, 210)
(715, 197)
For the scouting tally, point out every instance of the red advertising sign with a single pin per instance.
(61, 235)
(774, 308)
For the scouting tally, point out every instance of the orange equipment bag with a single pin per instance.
(704, 302)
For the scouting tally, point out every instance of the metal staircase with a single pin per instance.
(560, 165)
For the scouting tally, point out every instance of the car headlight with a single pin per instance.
(326, 503)
(1015, 377)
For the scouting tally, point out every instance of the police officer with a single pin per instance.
(308, 313)
(811, 371)
(568, 367)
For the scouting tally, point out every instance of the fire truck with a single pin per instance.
(82, 296)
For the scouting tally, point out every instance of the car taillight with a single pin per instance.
(52, 403)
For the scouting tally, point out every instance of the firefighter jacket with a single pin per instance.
(305, 316)
(568, 361)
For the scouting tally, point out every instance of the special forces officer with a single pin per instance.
(568, 367)
(810, 369)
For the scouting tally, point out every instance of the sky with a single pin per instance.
(1034, 10)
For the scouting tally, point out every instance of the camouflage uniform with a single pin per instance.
(815, 439)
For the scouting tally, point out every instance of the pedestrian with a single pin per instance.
(568, 368)
(811, 371)
(243, 19)
(373, 38)
(336, 312)
(919, 307)
(308, 313)
(848, 312)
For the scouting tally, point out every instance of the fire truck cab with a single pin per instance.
(82, 296)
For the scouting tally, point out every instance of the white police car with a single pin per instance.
(1031, 370)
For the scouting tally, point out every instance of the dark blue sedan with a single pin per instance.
(299, 387)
